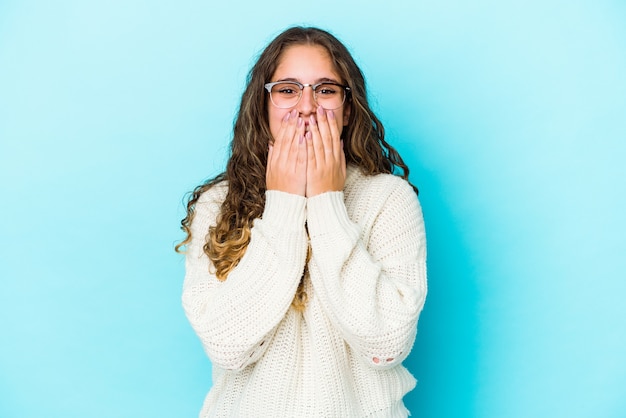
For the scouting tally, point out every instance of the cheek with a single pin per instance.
(340, 125)
(275, 117)
(342, 121)
(346, 114)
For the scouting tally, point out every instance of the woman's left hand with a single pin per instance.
(326, 161)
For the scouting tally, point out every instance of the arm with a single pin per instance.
(373, 291)
(235, 318)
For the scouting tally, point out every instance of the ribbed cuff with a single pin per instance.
(326, 213)
(284, 209)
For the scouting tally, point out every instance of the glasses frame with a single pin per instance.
(268, 87)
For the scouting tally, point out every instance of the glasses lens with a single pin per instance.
(330, 96)
(285, 95)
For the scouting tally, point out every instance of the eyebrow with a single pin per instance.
(319, 80)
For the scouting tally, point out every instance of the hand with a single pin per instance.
(326, 161)
(286, 158)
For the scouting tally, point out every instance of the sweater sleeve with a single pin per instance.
(371, 284)
(235, 318)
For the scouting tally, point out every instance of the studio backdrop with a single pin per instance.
(510, 114)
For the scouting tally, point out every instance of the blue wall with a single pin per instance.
(512, 116)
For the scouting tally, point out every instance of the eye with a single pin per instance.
(286, 89)
(327, 90)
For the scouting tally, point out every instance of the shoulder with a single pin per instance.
(371, 198)
(376, 186)
(209, 203)
(214, 194)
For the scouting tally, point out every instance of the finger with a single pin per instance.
(301, 158)
(324, 129)
(310, 152)
(272, 153)
(281, 130)
(286, 130)
(343, 159)
(285, 136)
(337, 145)
(296, 140)
(316, 141)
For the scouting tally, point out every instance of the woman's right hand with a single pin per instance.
(287, 157)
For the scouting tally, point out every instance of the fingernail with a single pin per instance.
(313, 122)
(320, 110)
(300, 122)
(294, 113)
(301, 139)
(308, 135)
(286, 118)
(331, 114)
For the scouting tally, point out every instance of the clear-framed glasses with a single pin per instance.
(286, 94)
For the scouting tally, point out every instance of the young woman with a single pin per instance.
(306, 258)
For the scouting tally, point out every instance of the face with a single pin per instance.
(307, 64)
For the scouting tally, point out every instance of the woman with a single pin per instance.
(305, 260)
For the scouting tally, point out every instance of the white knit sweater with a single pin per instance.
(366, 286)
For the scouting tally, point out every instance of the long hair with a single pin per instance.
(363, 138)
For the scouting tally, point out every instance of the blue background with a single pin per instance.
(511, 114)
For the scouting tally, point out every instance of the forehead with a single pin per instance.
(305, 63)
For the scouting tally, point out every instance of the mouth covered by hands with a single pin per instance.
(307, 156)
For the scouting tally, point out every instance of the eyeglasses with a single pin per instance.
(286, 94)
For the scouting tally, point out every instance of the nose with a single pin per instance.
(307, 104)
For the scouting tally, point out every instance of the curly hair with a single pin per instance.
(363, 139)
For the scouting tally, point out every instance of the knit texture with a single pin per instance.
(366, 285)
